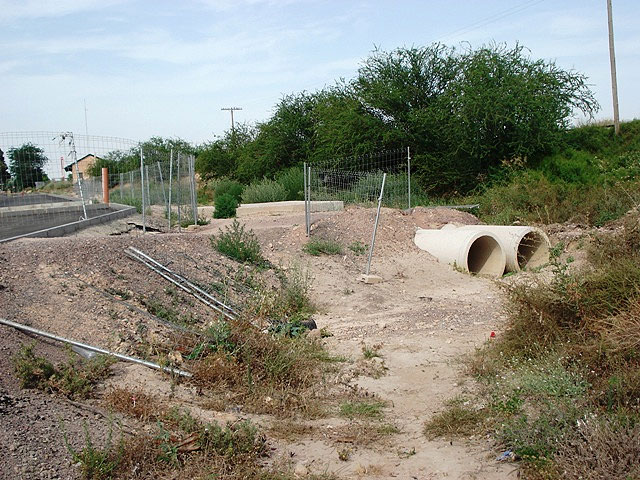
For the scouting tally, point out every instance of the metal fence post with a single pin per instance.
(192, 182)
(164, 194)
(309, 199)
(375, 226)
(121, 184)
(144, 219)
(306, 205)
(179, 195)
(409, 175)
(170, 179)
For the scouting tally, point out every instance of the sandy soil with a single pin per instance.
(424, 315)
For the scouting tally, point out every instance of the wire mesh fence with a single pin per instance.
(358, 179)
(49, 179)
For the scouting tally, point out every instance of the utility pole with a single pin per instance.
(231, 109)
(614, 81)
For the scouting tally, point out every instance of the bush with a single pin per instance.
(292, 179)
(235, 243)
(225, 206)
(319, 246)
(224, 186)
(264, 191)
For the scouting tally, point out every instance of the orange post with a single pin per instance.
(105, 185)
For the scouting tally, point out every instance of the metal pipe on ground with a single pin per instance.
(91, 348)
(181, 282)
(475, 252)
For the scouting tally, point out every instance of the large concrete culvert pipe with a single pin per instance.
(475, 252)
(525, 247)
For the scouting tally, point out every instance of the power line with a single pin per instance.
(231, 109)
(492, 18)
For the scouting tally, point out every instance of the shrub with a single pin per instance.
(319, 246)
(292, 179)
(225, 206)
(235, 243)
(96, 463)
(225, 186)
(75, 379)
(264, 191)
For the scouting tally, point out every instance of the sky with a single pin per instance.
(166, 68)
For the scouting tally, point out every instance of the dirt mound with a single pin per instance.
(396, 228)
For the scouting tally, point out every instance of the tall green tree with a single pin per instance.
(220, 157)
(5, 176)
(27, 165)
(467, 112)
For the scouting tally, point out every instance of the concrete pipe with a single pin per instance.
(474, 252)
(525, 247)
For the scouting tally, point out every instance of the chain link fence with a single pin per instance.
(358, 179)
(46, 181)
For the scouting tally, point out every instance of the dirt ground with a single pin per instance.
(424, 317)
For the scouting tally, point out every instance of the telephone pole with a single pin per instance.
(231, 109)
(614, 81)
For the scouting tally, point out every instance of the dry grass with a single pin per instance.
(601, 448)
(134, 403)
(266, 373)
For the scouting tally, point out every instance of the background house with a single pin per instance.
(84, 164)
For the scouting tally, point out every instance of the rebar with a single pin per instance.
(91, 348)
(375, 226)
(182, 283)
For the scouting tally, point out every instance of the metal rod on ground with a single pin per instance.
(144, 220)
(181, 278)
(409, 175)
(192, 182)
(186, 285)
(375, 226)
(91, 348)
(170, 178)
(306, 206)
(179, 195)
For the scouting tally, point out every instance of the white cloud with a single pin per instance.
(16, 9)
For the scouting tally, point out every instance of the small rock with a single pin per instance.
(301, 470)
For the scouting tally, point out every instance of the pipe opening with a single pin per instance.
(485, 257)
(533, 251)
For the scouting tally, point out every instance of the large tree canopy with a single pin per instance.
(464, 112)
(27, 165)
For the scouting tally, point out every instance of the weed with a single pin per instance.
(371, 352)
(317, 247)
(225, 206)
(264, 191)
(117, 292)
(362, 409)
(456, 420)
(96, 463)
(33, 371)
(238, 244)
(358, 247)
(344, 454)
(75, 379)
(134, 403)
(188, 220)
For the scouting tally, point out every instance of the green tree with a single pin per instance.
(467, 112)
(5, 176)
(220, 157)
(27, 165)
(284, 140)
